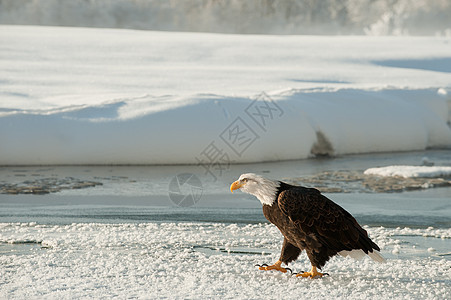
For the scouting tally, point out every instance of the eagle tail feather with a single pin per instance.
(376, 256)
(359, 254)
(355, 253)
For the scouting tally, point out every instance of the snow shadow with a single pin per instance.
(442, 64)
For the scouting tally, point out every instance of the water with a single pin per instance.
(142, 193)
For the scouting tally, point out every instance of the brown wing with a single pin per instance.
(333, 226)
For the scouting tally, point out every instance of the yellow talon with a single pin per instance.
(312, 274)
(275, 266)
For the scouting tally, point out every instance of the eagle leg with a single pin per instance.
(312, 274)
(276, 266)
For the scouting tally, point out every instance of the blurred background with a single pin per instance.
(334, 17)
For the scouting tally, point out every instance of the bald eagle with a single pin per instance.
(308, 221)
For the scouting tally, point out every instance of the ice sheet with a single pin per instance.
(411, 171)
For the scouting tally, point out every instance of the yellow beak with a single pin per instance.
(236, 185)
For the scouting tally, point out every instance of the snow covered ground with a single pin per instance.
(110, 96)
(203, 260)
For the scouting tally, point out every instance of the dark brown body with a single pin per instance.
(310, 221)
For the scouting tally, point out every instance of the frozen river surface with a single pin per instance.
(126, 239)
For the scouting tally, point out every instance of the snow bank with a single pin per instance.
(411, 171)
(381, 17)
(188, 130)
(91, 96)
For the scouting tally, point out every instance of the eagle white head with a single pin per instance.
(264, 189)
